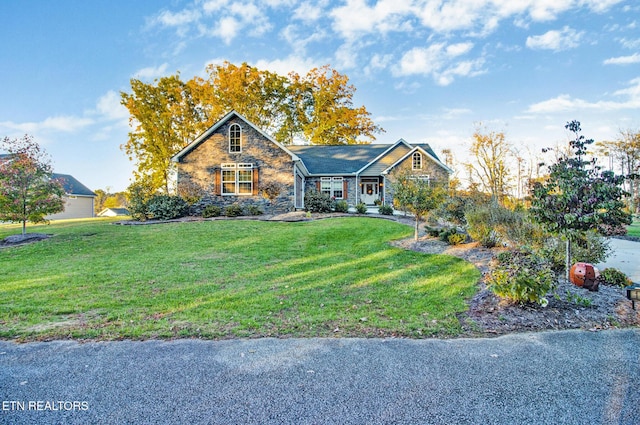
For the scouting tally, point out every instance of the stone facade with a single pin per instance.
(202, 167)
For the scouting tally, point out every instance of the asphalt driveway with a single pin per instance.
(569, 377)
(625, 256)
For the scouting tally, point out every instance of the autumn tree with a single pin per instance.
(417, 194)
(27, 190)
(167, 114)
(164, 117)
(492, 153)
(326, 112)
(578, 196)
(625, 153)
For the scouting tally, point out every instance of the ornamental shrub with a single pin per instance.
(614, 277)
(317, 202)
(254, 210)
(361, 208)
(457, 238)
(521, 277)
(167, 207)
(342, 207)
(385, 210)
(233, 210)
(211, 211)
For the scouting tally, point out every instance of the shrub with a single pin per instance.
(361, 208)
(521, 277)
(211, 211)
(385, 210)
(342, 207)
(457, 238)
(254, 210)
(491, 224)
(318, 202)
(138, 196)
(233, 210)
(433, 232)
(445, 233)
(614, 277)
(167, 207)
(588, 247)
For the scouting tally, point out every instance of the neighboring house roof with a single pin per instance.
(72, 186)
(204, 136)
(113, 212)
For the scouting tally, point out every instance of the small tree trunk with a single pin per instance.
(415, 233)
(24, 227)
(567, 265)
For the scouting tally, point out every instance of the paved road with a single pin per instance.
(625, 256)
(569, 377)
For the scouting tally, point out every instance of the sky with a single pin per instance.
(427, 70)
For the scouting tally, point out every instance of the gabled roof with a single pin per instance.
(204, 136)
(116, 211)
(425, 149)
(72, 186)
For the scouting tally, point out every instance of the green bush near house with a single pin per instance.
(233, 210)
(254, 210)
(317, 202)
(385, 209)
(361, 208)
(342, 207)
(211, 211)
(166, 207)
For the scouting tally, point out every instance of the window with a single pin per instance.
(237, 179)
(332, 186)
(235, 138)
(417, 161)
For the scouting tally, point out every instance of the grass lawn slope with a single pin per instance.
(228, 278)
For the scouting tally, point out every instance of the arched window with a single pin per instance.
(235, 138)
(417, 161)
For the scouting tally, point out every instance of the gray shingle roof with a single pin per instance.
(344, 159)
(72, 186)
(337, 159)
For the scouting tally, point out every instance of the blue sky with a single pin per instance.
(427, 70)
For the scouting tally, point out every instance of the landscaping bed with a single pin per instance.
(570, 307)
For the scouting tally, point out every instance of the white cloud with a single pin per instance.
(227, 29)
(151, 72)
(357, 18)
(440, 61)
(178, 19)
(295, 64)
(109, 106)
(565, 102)
(564, 39)
(308, 12)
(623, 60)
(66, 124)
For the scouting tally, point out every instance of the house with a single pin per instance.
(78, 199)
(113, 212)
(236, 162)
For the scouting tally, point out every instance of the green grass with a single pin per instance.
(634, 229)
(228, 278)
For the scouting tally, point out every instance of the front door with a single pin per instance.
(369, 192)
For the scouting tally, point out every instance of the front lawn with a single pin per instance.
(228, 278)
(634, 229)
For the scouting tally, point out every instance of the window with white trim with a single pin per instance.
(416, 161)
(332, 186)
(237, 179)
(235, 138)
